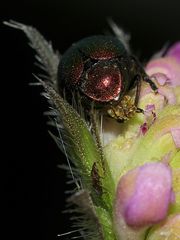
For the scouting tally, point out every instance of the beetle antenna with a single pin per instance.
(120, 34)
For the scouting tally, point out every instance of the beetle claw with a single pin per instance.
(152, 84)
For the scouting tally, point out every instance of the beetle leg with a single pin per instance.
(140, 110)
(138, 89)
(151, 83)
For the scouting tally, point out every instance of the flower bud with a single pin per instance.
(143, 196)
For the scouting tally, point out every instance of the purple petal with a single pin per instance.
(165, 70)
(161, 78)
(174, 51)
(150, 107)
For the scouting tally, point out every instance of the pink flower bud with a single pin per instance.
(143, 195)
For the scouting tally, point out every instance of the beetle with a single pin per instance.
(101, 71)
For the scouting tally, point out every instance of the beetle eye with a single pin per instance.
(103, 82)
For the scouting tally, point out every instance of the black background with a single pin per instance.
(33, 186)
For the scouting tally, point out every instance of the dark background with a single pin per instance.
(33, 187)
